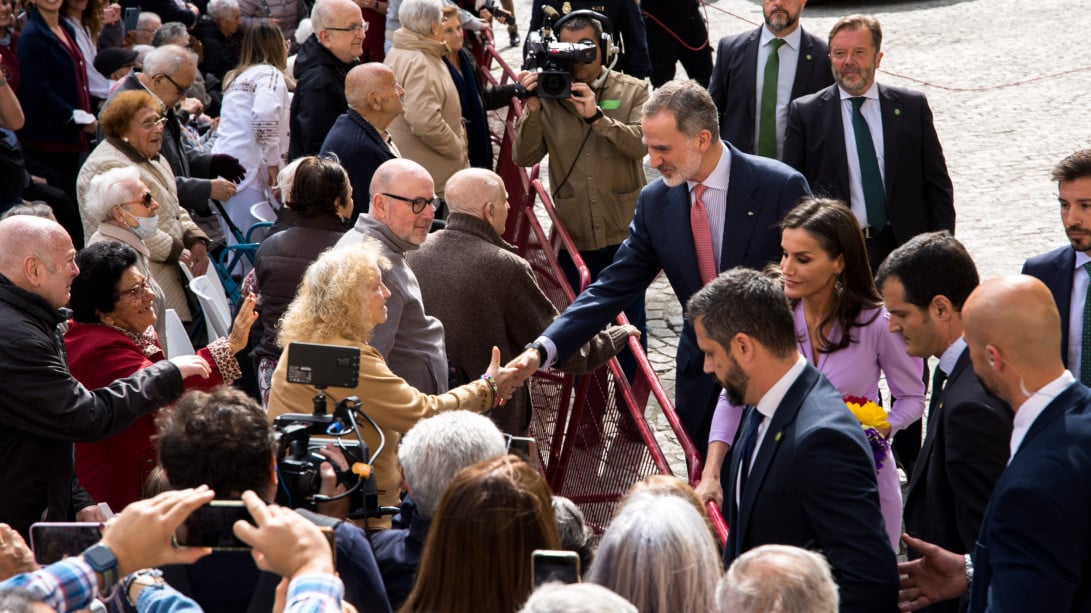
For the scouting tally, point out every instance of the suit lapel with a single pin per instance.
(684, 251)
(743, 210)
(770, 441)
(805, 66)
(889, 108)
(748, 74)
(934, 419)
(1053, 411)
(830, 102)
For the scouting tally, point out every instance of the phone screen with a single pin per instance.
(211, 526)
(53, 542)
(132, 14)
(554, 565)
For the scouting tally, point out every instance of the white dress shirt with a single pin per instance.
(874, 118)
(1028, 412)
(789, 60)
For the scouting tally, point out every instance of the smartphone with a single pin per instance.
(211, 526)
(526, 447)
(52, 542)
(555, 565)
(131, 15)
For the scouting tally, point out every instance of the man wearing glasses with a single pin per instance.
(403, 205)
(320, 68)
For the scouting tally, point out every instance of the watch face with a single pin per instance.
(101, 558)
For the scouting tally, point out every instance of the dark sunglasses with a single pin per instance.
(418, 204)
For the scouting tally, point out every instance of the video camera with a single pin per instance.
(552, 60)
(298, 460)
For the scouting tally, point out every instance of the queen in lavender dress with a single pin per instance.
(828, 278)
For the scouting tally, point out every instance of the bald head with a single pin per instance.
(1014, 332)
(480, 193)
(373, 91)
(36, 254)
(394, 172)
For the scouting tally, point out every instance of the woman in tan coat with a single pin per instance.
(340, 301)
(133, 124)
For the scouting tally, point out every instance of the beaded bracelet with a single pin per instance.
(487, 378)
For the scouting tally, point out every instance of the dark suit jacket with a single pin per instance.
(1034, 551)
(362, 150)
(734, 81)
(812, 485)
(966, 449)
(919, 196)
(760, 193)
(1055, 269)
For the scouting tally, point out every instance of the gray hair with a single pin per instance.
(322, 15)
(218, 9)
(689, 103)
(573, 530)
(576, 598)
(658, 553)
(437, 448)
(170, 31)
(109, 189)
(146, 17)
(168, 60)
(778, 579)
(36, 208)
(419, 15)
(286, 177)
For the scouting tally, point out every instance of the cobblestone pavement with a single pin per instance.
(1008, 81)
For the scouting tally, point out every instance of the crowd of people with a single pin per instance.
(803, 214)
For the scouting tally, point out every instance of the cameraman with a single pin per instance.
(223, 440)
(596, 152)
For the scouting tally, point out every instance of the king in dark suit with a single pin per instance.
(735, 86)
(1034, 549)
(803, 472)
(924, 284)
(747, 196)
(871, 146)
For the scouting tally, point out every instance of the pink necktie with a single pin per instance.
(702, 236)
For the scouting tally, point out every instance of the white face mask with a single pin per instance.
(146, 226)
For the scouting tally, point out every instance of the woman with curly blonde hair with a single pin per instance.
(340, 301)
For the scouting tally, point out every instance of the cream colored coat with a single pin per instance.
(430, 132)
(176, 229)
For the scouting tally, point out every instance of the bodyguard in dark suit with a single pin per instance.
(738, 78)
(872, 146)
(1063, 269)
(1034, 549)
(803, 473)
(359, 137)
(747, 196)
(925, 283)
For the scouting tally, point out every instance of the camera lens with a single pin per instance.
(553, 85)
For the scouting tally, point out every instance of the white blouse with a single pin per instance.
(254, 123)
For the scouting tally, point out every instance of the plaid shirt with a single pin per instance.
(70, 585)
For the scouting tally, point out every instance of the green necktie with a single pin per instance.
(870, 177)
(767, 122)
(1085, 345)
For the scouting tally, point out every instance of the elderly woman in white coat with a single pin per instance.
(254, 118)
(133, 124)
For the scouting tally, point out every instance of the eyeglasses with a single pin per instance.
(146, 200)
(135, 292)
(151, 125)
(354, 28)
(418, 204)
(182, 91)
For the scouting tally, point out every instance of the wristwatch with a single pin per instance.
(102, 561)
(542, 353)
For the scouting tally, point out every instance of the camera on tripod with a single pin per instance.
(553, 61)
(298, 458)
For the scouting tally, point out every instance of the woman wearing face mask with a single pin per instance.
(133, 123)
(111, 337)
(128, 213)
